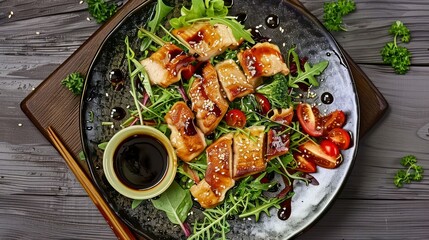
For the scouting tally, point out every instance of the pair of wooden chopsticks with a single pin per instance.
(121, 231)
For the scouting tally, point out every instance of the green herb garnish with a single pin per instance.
(306, 76)
(101, 10)
(213, 11)
(161, 11)
(74, 82)
(414, 172)
(333, 13)
(397, 56)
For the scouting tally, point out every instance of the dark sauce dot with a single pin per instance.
(272, 21)
(116, 76)
(241, 17)
(89, 128)
(285, 209)
(118, 113)
(328, 54)
(257, 36)
(189, 103)
(327, 98)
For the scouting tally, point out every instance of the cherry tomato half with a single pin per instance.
(304, 165)
(309, 119)
(264, 104)
(340, 137)
(313, 152)
(235, 118)
(330, 148)
(335, 119)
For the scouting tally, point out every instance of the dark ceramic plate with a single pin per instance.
(296, 28)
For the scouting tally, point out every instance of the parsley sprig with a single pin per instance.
(414, 172)
(74, 82)
(334, 13)
(101, 10)
(397, 56)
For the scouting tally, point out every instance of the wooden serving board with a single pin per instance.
(51, 104)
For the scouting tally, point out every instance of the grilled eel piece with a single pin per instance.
(186, 138)
(206, 40)
(232, 80)
(211, 191)
(207, 100)
(164, 66)
(262, 60)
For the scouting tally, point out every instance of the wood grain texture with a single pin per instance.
(41, 199)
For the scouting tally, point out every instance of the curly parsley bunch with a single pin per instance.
(333, 13)
(397, 56)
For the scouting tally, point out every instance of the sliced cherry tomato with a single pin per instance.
(340, 137)
(188, 71)
(336, 119)
(313, 152)
(235, 118)
(330, 148)
(309, 119)
(303, 164)
(264, 104)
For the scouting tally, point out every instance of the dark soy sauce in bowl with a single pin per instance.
(140, 161)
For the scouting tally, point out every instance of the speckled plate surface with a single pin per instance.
(296, 28)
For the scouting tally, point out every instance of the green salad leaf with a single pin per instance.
(175, 202)
(161, 11)
(306, 76)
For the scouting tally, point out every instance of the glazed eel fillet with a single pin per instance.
(186, 138)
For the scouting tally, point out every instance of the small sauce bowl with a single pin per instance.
(139, 162)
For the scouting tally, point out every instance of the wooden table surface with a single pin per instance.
(40, 197)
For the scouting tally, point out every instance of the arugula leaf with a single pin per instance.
(101, 10)
(414, 172)
(176, 203)
(161, 11)
(216, 8)
(74, 82)
(265, 206)
(237, 28)
(397, 56)
(308, 76)
(333, 13)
